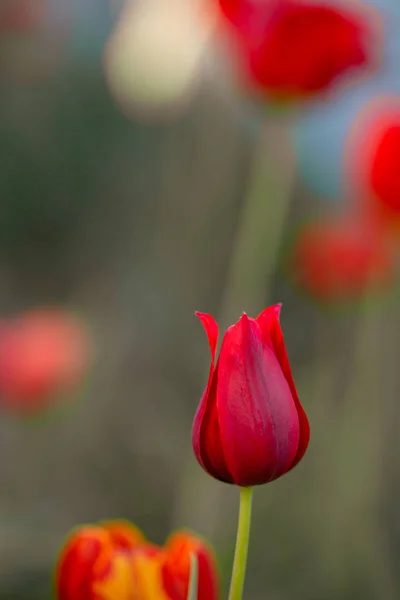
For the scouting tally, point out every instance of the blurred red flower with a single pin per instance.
(296, 48)
(250, 427)
(341, 260)
(370, 163)
(113, 561)
(43, 353)
(384, 173)
(373, 157)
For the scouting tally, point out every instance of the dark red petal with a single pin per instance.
(206, 437)
(272, 333)
(257, 416)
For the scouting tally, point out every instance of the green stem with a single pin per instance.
(242, 544)
(194, 577)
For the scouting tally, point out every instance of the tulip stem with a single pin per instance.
(242, 544)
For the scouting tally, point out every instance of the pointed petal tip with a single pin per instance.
(271, 312)
(245, 325)
(205, 318)
(211, 328)
(244, 319)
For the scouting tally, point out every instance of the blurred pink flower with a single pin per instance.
(43, 353)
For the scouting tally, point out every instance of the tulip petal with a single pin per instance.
(148, 564)
(206, 431)
(74, 569)
(124, 535)
(211, 328)
(258, 418)
(113, 577)
(270, 326)
(176, 570)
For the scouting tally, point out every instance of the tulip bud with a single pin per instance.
(43, 353)
(372, 153)
(176, 570)
(295, 48)
(250, 427)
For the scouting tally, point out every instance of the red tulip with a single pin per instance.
(294, 48)
(176, 571)
(43, 353)
(250, 427)
(341, 260)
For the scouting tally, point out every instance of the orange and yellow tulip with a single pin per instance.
(114, 561)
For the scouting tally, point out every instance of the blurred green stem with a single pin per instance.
(251, 267)
(194, 576)
(242, 544)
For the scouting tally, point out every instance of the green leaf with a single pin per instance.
(193, 583)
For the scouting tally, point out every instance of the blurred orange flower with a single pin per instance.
(113, 561)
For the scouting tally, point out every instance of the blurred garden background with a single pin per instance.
(134, 216)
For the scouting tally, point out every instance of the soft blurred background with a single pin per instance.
(133, 203)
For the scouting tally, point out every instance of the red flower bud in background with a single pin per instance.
(43, 353)
(176, 570)
(250, 427)
(372, 157)
(113, 561)
(341, 260)
(385, 181)
(295, 48)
